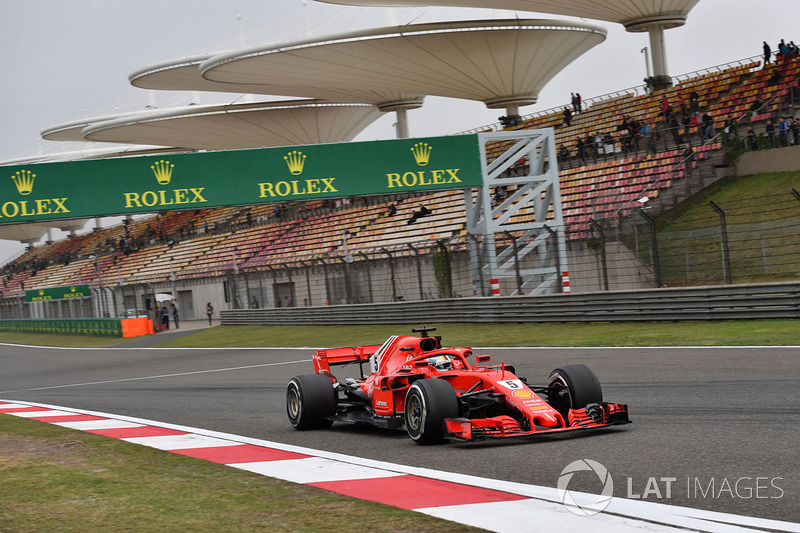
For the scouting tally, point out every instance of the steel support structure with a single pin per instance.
(527, 169)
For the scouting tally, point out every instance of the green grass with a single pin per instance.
(733, 332)
(55, 479)
(762, 218)
(745, 199)
(700, 333)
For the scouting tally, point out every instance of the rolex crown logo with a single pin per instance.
(41, 292)
(23, 179)
(163, 171)
(295, 161)
(422, 153)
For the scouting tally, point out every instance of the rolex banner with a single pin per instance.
(57, 293)
(119, 186)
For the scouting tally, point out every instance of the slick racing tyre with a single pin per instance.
(310, 401)
(428, 403)
(574, 387)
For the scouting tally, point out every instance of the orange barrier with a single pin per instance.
(136, 327)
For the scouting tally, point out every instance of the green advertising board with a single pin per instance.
(57, 293)
(126, 185)
(105, 327)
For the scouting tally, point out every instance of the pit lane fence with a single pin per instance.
(725, 302)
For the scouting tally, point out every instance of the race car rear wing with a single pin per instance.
(324, 359)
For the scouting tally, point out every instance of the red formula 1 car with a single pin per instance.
(435, 393)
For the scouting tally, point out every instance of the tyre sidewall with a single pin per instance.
(436, 400)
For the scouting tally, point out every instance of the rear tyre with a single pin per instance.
(310, 401)
(576, 386)
(428, 403)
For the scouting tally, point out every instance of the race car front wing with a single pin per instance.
(593, 416)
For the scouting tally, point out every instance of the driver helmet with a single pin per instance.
(440, 362)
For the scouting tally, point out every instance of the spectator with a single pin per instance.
(254, 303)
(634, 132)
(686, 124)
(567, 116)
(752, 140)
(608, 140)
(164, 317)
(708, 126)
(574, 102)
(579, 150)
(580, 102)
(287, 301)
(783, 132)
(175, 317)
(500, 194)
(563, 153)
(767, 54)
(770, 131)
(666, 109)
(649, 138)
(794, 127)
(783, 50)
(674, 127)
(421, 212)
(599, 145)
(694, 102)
(209, 312)
(755, 107)
(774, 79)
(390, 212)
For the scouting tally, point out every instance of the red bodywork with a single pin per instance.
(495, 403)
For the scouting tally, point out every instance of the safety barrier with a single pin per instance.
(107, 327)
(726, 302)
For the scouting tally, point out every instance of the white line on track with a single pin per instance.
(178, 374)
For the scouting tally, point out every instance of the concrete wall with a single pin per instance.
(774, 160)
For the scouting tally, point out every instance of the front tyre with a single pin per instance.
(428, 403)
(574, 387)
(310, 401)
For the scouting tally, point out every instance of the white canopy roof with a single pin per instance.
(498, 62)
(635, 15)
(223, 127)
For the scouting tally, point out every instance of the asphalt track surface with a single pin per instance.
(714, 428)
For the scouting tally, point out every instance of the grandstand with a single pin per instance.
(368, 250)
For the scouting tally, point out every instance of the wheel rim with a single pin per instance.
(559, 382)
(414, 413)
(293, 404)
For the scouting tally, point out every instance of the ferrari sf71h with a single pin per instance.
(436, 393)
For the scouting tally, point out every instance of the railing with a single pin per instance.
(636, 90)
(743, 302)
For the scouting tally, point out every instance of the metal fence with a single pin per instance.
(728, 242)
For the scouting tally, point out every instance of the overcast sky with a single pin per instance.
(63, 60)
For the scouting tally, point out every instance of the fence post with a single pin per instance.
(391, 272)
(419, 270)
(563, 285)
(516, 260)
(475, 265)
(308, 280)
(369, 275)
(726, 259)
(656, 262)
(444, 270)
(327, 284)
(599, 229)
